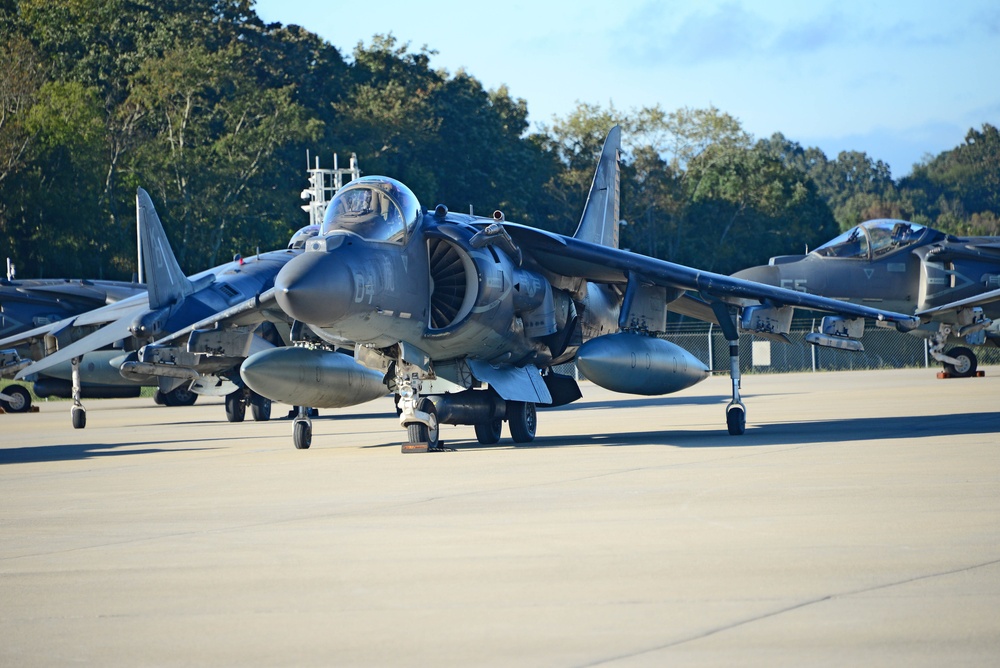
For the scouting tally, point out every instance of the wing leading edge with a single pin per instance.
(575, 258)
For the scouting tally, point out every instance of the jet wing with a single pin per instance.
(105, 336)
(602, 264)
(250, 312)
(100, 316)
(968, 302)
(79, 291)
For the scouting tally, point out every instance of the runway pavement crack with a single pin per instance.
(791, 608)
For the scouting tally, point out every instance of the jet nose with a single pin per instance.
(316, 288)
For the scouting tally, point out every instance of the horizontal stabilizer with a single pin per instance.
(970, 302)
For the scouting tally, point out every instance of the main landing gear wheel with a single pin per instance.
(20, 399)
(736, 420)
(260, 407)
(236, 406)
(180, 396)
(79, 417)
(522, 420)
(488, 433)
(967, 363)
(418, 432)
(302, 434)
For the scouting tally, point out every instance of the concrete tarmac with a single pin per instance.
(856, 523)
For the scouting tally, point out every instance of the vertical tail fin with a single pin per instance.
(165, 281)
(599, 223)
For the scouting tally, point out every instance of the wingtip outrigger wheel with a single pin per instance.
(78, 414)
(736, 412)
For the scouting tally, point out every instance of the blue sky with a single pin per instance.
(896, 79)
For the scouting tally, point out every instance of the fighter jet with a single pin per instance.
(951, 283)
(467, 316)
(29, 303)
(207, 365)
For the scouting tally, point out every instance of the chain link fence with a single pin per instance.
(884, 349)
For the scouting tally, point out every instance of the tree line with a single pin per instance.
(212, 110)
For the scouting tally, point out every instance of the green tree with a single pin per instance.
(959, 190)
(745, 206)
(212, 133)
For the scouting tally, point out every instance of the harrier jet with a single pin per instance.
(115, 337)
(951, 283)
(467, 316)
(29, 303)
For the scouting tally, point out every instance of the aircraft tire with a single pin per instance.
(488, 433)
(736, 420)
(967, 363)
(79, 417)
(418, 432)
(260, 408)
(522, 421)
(236, 406)
(20, 399)
(180, 396)
(302, 434)
(159, 398)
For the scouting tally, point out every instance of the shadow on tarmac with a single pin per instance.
(57, 453)
(845, 430)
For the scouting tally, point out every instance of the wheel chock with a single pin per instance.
(425, 447)
(409, 448)
(945, 374)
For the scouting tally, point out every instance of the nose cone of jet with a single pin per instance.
(315, 288)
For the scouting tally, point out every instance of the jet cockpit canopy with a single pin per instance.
(376, 208)
(875, 238)
(299, 239)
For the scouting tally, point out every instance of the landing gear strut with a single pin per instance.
(959, 362)
(736, 412)
(416, 413)
(78, 413)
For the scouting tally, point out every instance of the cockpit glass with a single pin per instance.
(299, 239)
(374, 207)
(873, 238)
(891, 235)
(852, 243)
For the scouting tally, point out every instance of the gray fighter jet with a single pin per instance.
(467, 316)
(951, 283)
(115, 337)
(29, 303)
